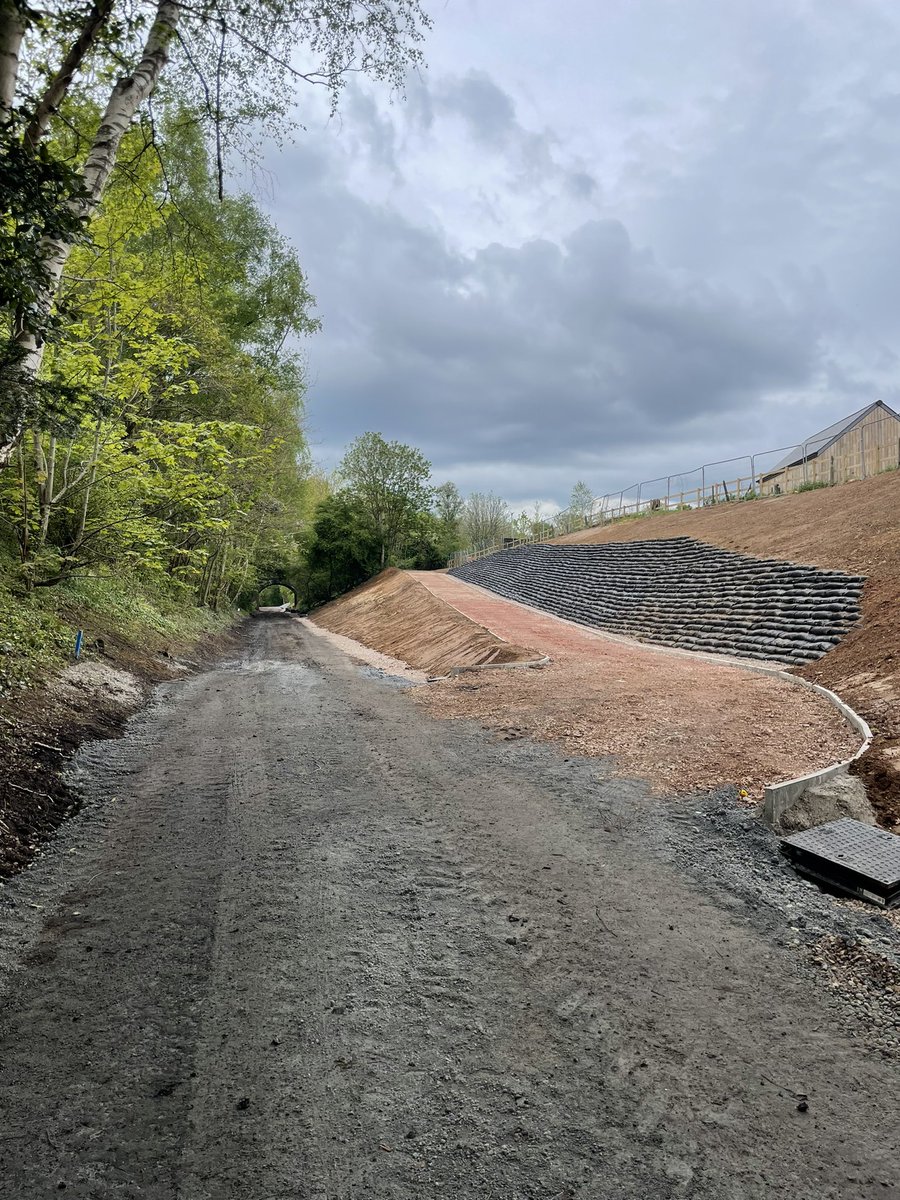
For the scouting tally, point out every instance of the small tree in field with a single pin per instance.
(485, 518)
(390, 482)
(581, 502)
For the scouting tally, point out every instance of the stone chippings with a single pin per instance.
(683, 593)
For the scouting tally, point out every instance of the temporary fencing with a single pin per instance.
(860, 452)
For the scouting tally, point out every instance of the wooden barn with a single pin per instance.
(860, 445)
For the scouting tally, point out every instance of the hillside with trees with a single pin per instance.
(152, 380)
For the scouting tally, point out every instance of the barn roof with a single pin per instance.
(825, 438)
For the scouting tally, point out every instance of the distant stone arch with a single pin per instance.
(277, 583)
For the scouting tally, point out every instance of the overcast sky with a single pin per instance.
(604, 241)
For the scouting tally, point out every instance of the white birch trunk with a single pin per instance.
(12, 31)
(128, 94)
(59, 85)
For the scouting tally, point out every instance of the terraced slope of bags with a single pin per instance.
(681, 592)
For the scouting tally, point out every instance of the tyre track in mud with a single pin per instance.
(322, 946)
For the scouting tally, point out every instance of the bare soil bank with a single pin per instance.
(42, 728)
(682, 721)
(854, 527)
(395, 614)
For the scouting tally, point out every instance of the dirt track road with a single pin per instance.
(322, 947)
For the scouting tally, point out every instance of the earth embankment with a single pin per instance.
(855, 528)
(396, 615)
(682, 722)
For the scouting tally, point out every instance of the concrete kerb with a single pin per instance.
(776, 796)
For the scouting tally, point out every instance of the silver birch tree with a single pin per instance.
(238, 56)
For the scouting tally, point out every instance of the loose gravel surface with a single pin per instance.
(303, 941)
(682, 721)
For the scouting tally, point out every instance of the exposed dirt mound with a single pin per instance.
(854, 527)
(683, 722)
(399, 617)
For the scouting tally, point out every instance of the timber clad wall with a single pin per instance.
(870, 446)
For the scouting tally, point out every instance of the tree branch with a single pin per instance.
(59, 85)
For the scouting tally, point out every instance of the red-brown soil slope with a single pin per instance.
(854, 527)
(658, 713)
(398, 616)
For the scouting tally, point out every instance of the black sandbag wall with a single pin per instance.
(681, 592)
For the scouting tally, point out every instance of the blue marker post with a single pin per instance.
(79, 642)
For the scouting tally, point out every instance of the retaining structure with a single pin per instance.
(681, 592)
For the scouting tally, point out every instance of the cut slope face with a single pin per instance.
(398, 616)
(855, 528)
(681, 592)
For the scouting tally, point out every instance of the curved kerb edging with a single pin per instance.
(777, 797)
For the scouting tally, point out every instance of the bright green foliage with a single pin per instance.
(181, 456)
(426, 545)
(275, 595)
(37, 630)
(339, 552)
(150, 414)
(341, 547)
(87, 72)
(32, 638)
(448, 506)
(390, 483)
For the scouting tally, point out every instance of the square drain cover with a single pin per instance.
(854, 858)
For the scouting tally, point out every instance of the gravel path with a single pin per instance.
(305, 942)
(683, 721)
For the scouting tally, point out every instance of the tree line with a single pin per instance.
(381, 509)
(151, 389)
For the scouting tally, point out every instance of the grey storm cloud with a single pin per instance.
(487, 110)
(531, 350)
(491, 120)
(528, 311)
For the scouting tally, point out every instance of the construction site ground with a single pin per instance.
(412, 625)
(853, 527)
(303, 942)
(680, 721)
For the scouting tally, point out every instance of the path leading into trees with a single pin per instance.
(305, 941)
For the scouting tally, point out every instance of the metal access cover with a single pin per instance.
(852, 857)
